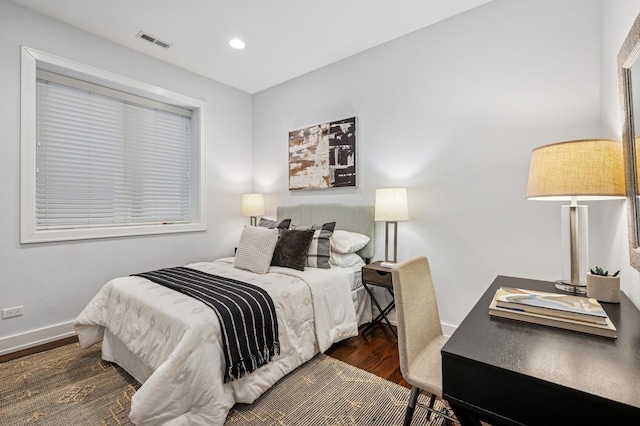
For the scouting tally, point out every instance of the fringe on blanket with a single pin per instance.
(260, 359)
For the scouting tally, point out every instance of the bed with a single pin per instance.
(350, 218)
(171, 343)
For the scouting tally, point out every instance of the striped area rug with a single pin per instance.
(74, 386)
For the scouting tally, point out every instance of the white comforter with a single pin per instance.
(177, 337)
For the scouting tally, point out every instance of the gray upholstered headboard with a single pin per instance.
(349, 218)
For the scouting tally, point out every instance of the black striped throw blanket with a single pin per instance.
(246, 313)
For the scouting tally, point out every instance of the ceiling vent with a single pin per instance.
(152, 39)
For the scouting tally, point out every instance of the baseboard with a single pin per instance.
(19, 342)
(448, 329)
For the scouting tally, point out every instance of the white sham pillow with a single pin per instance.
(347, 242)
(345, 260)
(255, 249)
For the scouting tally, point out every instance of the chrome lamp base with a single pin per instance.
(579, 289)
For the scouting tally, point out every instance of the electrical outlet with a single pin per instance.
(12, 312)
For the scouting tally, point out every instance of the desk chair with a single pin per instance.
(420, 337)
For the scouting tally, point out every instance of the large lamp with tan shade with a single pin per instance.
(580, 170)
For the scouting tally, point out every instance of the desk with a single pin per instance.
(510, 372)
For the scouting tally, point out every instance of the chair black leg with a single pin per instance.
(432, 401)
(411, 405)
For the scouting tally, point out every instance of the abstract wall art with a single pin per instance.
(323, 156)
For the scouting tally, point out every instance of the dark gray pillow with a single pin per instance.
(291, 249)
(319, 251)
(280, 224)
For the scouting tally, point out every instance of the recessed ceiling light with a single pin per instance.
(236, 43)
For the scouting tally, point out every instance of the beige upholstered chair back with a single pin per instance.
(416, 309)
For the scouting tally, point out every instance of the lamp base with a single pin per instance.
(579, 289)
(388, 264)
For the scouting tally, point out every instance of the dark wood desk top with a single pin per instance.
(546, 357)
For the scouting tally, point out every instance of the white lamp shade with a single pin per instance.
(253, 205)
(391, 205)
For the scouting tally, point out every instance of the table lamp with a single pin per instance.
(590, 169)
(253, 206)
(391, 207)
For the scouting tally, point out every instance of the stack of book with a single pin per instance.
(552, 309)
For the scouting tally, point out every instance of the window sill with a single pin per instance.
(111, 232)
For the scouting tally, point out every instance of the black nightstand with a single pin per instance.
(375, 275)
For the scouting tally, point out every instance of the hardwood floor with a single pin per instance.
(375, 351)
(40, 348)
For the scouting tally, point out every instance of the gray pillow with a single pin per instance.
(291, 250)
(256, 249)
(319, 251)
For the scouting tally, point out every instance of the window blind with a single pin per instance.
(108, 161)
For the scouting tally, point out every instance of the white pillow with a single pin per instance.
(256, 249)
(345, 260)
(348, 242)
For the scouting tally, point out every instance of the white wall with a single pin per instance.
(452, 112)
(617, 16)
(54, 281)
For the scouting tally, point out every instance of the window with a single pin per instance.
(106, 156)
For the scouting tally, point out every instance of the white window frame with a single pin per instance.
(33, 59)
